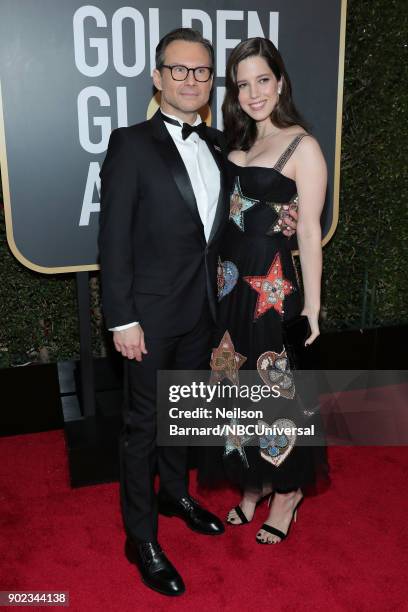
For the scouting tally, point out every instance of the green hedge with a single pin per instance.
(365, 279)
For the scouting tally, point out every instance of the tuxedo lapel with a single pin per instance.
(170, 155)
(221, 211)
(215, 149)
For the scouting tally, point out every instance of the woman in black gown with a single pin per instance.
(273, 163)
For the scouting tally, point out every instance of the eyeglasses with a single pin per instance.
(202, 74)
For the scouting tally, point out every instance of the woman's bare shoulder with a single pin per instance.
(308, 146)
(309, 155)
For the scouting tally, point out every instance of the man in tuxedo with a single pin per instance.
(164, 204)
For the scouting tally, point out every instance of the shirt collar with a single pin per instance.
(196, 122)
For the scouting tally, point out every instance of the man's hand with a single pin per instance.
(289, 221)
(130, 342)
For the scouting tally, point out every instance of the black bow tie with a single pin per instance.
(187, 129)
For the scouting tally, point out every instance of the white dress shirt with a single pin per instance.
(204, 177)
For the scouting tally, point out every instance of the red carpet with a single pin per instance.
(348, 550)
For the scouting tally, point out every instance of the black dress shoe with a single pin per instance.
(196, 517)
(156, 570)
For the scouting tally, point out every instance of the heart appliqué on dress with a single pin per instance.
(274, 369)
(277, 446)
(227, 276)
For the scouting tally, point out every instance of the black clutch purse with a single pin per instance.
(295, 332)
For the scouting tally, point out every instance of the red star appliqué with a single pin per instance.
(271, 288)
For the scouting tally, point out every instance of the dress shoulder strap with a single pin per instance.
(288, 152)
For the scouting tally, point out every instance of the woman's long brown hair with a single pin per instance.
(239, 129)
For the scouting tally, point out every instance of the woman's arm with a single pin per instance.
(311, 181)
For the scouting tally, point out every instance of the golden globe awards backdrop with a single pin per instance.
(71, 72)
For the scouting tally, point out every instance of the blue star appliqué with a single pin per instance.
(239, 204)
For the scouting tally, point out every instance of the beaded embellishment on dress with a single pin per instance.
(272, 289)
(225, 361)
(278, 207)
(239, 204)
(288, 152)
(227, 276)
(274, 369)
(276, 447)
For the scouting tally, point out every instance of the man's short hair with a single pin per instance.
(186, 34)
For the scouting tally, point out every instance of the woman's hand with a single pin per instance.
(313, 318)
(311, 179)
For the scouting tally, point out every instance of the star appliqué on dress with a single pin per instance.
(225, 361)
(282, 209)
(239, 204)
(236, 444)
(272, 288)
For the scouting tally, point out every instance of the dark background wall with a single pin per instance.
(365, 280)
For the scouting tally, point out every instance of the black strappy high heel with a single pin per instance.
(278, 532)
(241, 515)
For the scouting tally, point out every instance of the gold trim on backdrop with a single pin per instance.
(206, 116)
(8, 215)
(339, 125)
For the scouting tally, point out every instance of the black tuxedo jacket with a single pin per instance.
(156, 266)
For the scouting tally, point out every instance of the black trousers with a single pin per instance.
(140, 458)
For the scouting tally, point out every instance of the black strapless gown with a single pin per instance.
(252, 310)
